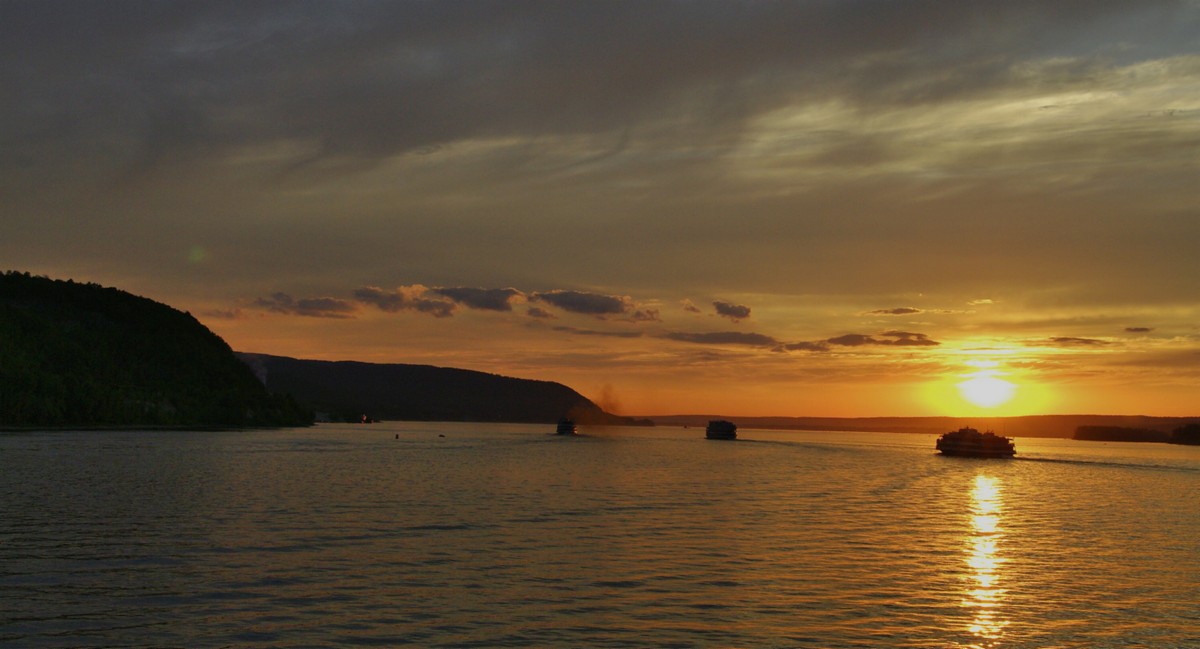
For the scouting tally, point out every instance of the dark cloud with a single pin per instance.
(724, 338)
(645, 315)
(1068, 341)
(441, 301)
(318, 307)
(404, 298)
(904, 310)
(689, 306)
(587, 303)
(1139, 330)
(734, 312)
(488, 299)
(372, 80)
(892, 338)
(806, 347)
(606, 334)
(852, 340)
(908, 339)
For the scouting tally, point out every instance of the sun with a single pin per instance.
(989, 381)
(986, 391)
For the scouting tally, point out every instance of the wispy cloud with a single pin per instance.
(723, 338)
(594, 304)
(592, 332)
(807, 347)
(645, 315)
(441, 302)
(488, 299)
(892, 338)
(317, 307)
(404, 298)
(1070, 341)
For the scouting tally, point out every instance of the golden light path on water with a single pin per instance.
(985, 596)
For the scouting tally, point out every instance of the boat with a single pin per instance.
(968, 442)
(566, 427)
(720, 429)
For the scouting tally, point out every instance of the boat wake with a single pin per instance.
(1151, 466)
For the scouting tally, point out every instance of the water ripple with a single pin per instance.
(504, 536)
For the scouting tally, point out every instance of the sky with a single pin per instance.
(810, 208)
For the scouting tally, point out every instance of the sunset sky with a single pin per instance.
(833, 208)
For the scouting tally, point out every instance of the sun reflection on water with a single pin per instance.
(986, 596)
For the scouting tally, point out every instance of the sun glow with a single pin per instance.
(989, 379)
(985, 390)
(984, 387)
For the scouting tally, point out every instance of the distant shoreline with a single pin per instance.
(1049, 426)
(1059, 426)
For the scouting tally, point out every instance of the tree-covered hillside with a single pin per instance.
(75, 354)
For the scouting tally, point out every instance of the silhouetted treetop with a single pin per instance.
(1189, 434)
(74, 354)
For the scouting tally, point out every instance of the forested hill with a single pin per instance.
(75, 354)
(347, 390)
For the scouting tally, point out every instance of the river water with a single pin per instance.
(477, 535)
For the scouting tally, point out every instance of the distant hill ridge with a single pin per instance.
(347, 390)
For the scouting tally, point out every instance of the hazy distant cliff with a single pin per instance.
(349, 389)
(76, 354)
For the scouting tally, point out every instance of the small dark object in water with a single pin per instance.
(720, 429)
(566, 427)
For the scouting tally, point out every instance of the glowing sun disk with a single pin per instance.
(986, 391)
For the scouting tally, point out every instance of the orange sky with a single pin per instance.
(823, 209)
(638, 368)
